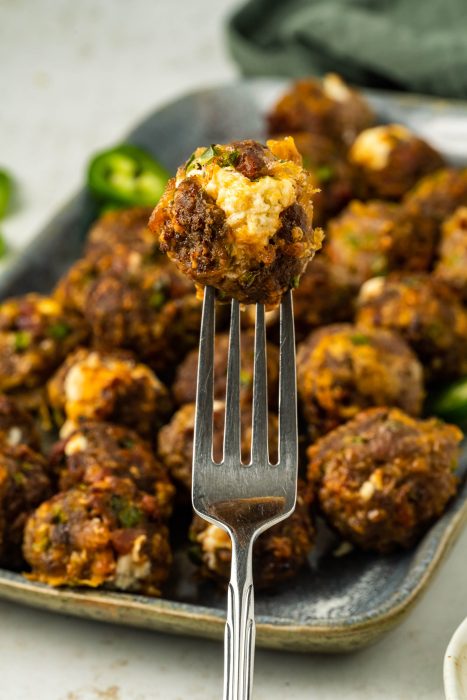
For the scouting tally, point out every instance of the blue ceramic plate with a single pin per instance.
(337, 603)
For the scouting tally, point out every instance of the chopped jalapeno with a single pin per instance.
(6, 186)
(22, 340)
(59, 330)
(360, 339)
(451, 403)
(127, 175)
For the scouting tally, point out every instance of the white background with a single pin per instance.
(74, 76)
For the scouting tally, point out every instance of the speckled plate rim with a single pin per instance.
(200, 621)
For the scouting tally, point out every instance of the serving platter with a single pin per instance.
(337, 603)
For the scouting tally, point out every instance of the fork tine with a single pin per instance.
(232, 401)
(259, 437)
(202, 446)
(288, 435)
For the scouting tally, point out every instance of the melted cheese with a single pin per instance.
(372, 148)
(212, 539)
(335, 88)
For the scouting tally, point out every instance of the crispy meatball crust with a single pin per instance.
(106, 534)
(17, 425)
(98, 450)
(343, 368)
(24, 484)
(425, 312)
(383, 477)
(278, 554)
(389, 160)
(155, 314)
(238, 217)
(36, 334)
(431, 201)
(326, 107)
(372, 238)
(175, 443)
(184, 386)
(92, 385)
(452, 264)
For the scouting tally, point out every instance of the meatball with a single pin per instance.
(175, 445)
(16, 425)
(35, 336)
(118, 233)
(184, 386)
(155, 314)
(383, 477)
(72, 289)
(342, 369)
(92, 385)
(431, 201)
(24, 483)
(98, 450)
(371, 238)
(278, 554)
(425, 312)
(452, 264)
(330, 172)
(328, 107)
(238, 217)
(390, 159)
(105, 534)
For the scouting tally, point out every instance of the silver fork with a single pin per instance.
(244, 500)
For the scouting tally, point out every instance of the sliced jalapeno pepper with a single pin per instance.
(127, 175)
(451, 403)
(6, 186)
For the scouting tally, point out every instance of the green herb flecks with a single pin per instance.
(324, 173)
(360, 339)
(59, 330)
(22, 340)
(128, 515)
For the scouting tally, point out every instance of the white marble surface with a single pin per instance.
(74, 76)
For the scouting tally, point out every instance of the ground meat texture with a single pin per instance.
(325, 107)
(384, 477)
(98, 386)
(238, 217)
(372, 238)
(389, 160)
(17, 425)
(24, 484)
(175, 443)
(426, 313)
(118, 232)
(107, 534)
(343, 368)
(184, 386)
(155, 314)
(35, 336)
(278, 554)
(431, 201)
(72, 289)
(330, 172)
(452, 263)
(98, 450)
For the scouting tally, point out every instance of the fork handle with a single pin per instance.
(239, 645)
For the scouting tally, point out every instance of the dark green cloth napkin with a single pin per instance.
(416, 45)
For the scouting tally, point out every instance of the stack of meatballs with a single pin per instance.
(98, 379)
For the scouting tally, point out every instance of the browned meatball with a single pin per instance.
(155, 314)
(175, 445)
(431, 201)
(17, 425)
(452, 263)
(184, 386)
(35, 336)
(106, 534)
(328, 107)
(24, 483)
(98, 450)
(278, 554)
(342, 369)
(383, 477)
(390, 159)
(425, 312)
(371, 238)
(92, 385)
(238, 217)
(330, 172)
(72, 289)
(118, 233)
